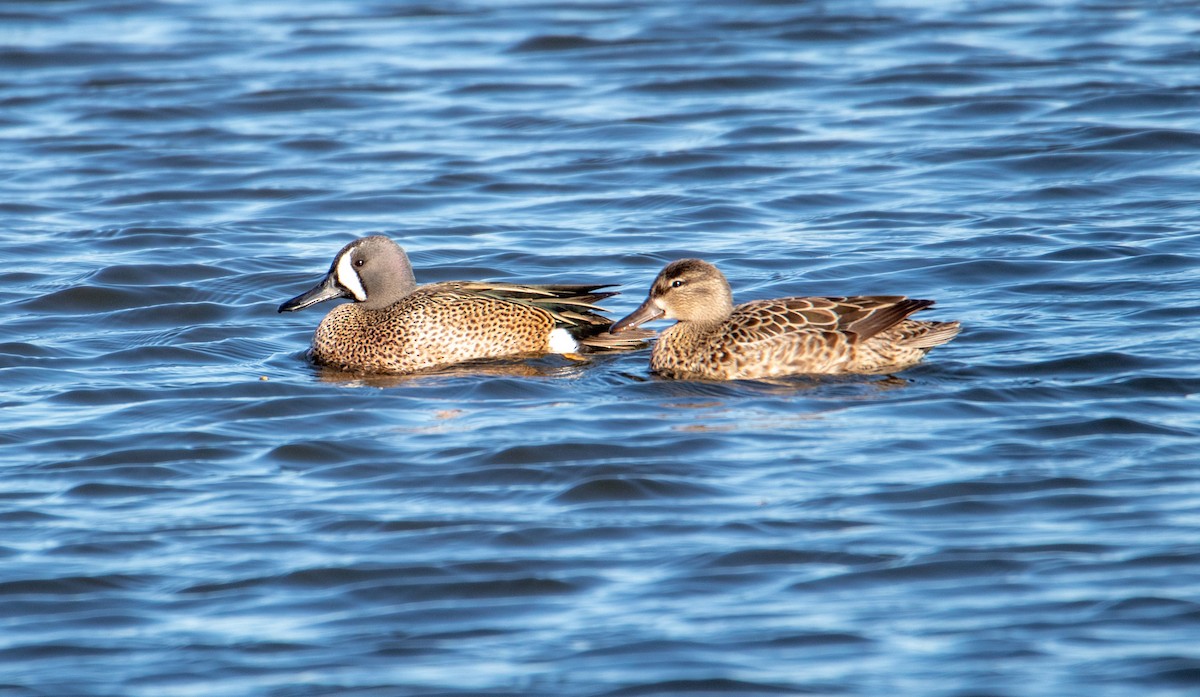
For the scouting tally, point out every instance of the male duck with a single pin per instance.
(715, 340)
(396, 326)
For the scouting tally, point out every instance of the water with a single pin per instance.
(188, 508)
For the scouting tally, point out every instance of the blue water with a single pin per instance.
(189, 508)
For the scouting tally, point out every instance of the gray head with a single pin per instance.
(373, 271)
(688, 290)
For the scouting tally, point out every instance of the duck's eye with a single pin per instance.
(676, 283)
(359, 262)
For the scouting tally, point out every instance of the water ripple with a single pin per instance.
(190, 507)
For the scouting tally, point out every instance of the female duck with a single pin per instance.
(715, 340)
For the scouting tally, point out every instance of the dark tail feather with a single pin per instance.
(628, 340)
(886, 317)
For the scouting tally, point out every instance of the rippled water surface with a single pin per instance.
(187, 507)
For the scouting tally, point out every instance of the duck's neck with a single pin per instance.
(695, 330)
(397, 289)
(709, 323)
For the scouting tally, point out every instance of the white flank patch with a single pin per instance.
(348, 277)
(561, 341)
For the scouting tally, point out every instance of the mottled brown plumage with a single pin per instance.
(714, 340)
(396, 326)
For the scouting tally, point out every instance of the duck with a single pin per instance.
(713, 339)
(394, 326)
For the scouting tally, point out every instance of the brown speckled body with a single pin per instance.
(774, 338)
(714, 340)
(436, 325)
(396, 326)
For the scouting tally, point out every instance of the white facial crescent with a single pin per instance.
(348, 278)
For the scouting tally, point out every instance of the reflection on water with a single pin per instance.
(549, 366)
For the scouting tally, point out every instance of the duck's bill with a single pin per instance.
(327, 289)
(648, 311)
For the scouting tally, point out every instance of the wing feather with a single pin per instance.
(860, 316)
